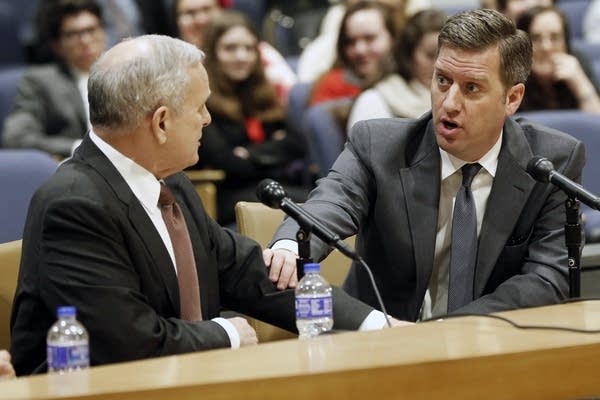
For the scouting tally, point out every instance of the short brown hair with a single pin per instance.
(481, 29)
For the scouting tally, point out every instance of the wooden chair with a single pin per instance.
(260, 222)
(204, 182)
(10, 258)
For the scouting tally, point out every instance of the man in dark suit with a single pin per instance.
(95, 237)
(50, 108)
(396, 182)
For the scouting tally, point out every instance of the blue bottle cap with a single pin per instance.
(312, 267)
(66, 311)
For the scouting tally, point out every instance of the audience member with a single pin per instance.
(405, 93)
(50, 108)
(363, 58)
(248, 138)
(397, 185)
(319, 55)
(363, 47)
(147, 280)
(6, 369)
(558, 79)
(193, 18)
(514, 8)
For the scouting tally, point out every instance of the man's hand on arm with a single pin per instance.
(282, 267)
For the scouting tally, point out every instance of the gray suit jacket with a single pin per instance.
(48, 112)
(385, 187)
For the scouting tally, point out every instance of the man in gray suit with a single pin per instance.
(396, 182)
(50, 109)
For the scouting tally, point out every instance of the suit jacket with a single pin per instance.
(48, 112)
(385, 187)
(88, 242)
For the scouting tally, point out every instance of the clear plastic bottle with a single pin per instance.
(314, 303)
(68, 343)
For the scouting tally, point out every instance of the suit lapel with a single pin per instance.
(510, 190)
(421, 185)
(90, 154)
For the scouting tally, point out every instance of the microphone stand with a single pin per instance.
(573, 242)
(303, 239)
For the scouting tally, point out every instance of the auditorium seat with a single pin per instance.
(574, 10)
(260, 222)
(585, 127)
(23, 172)
(10, 257)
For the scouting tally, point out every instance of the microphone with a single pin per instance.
(272, 194)
(542, 170)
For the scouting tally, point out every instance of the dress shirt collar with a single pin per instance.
(489, 161)
(143, 184)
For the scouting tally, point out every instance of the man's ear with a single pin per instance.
(160, 124)
(514, 96)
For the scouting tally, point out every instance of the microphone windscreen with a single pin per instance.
(270, 193)
(540, 168)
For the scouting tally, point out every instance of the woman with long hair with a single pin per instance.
(247, 138)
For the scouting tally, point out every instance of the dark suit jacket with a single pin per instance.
(48, 112)
(385, 186)
(88, 242)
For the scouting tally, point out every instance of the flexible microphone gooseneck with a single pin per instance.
(272, 194)
(542, 170)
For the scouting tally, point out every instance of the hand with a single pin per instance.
(6, 369)
(246, 332)
(282, 267)
(568, 69)
(400, 323)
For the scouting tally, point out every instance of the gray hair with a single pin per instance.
(480, 29)
(122, 93)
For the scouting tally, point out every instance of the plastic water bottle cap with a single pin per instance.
(66, 311)
(312, 267)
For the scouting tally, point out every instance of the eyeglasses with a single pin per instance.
(93, 32)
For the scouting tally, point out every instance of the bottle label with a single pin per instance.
(68, 357)
(314, 307)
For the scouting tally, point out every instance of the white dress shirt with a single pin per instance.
(146, 189)
(436, 298)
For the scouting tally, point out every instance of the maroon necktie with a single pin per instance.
(187, 276)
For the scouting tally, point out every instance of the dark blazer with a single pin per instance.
(88, 242)
(48, 112)
(385, 186)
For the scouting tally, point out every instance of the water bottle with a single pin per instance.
(314, 304)
(68, 343)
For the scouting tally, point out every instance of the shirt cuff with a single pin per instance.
(234, 336)
(375, 320)
(286, 244)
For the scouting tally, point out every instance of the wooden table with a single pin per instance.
(465, 358)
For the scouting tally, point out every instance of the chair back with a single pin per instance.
(259, 222)
(585, 127)
(22, 173)
(10, 258)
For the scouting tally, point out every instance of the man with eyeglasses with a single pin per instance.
(50, 110)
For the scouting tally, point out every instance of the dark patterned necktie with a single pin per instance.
(187, 276)
(463, 250)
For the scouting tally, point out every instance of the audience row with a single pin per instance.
(379, 64)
